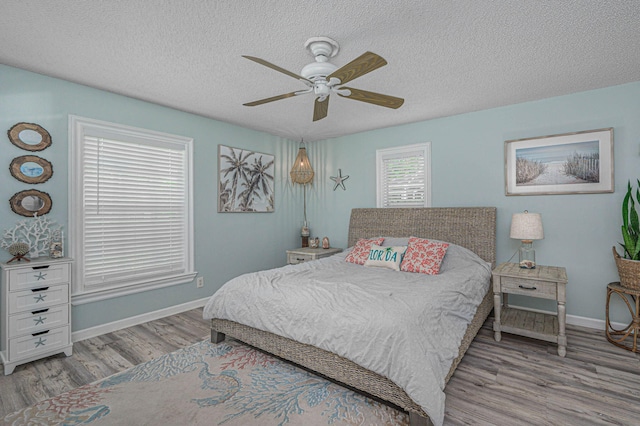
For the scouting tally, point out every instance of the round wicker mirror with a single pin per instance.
(31, 169)
(26, 203)
(29, 136)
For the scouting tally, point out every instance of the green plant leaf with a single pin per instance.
(635, 224)
(628, 242)
(636, 252)
(625, 206)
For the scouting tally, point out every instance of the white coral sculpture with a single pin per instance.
(36, 232)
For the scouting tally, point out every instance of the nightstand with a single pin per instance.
(545, 282)
(304, 254)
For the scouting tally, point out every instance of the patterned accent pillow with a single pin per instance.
(386, 257)
(361, 250)
(424, 256)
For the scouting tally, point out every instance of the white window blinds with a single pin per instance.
(403, 176)
(134, 212)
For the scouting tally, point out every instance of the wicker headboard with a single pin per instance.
(470, 227)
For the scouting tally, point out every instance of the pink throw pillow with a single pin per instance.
(423, 256)
(361, 250)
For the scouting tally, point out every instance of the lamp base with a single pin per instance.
(527, 255)
(305, 234)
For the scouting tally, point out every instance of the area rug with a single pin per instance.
(214, 384)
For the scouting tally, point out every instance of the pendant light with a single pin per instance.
(302, 173)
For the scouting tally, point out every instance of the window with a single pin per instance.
(130, 211)
(404, 176)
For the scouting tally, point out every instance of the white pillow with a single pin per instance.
(385, 257)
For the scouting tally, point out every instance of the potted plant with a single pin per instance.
(629, 265)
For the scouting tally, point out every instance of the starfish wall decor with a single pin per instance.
(339, 180)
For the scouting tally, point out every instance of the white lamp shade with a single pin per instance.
(526, 226)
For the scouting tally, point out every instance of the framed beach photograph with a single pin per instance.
(245, 181)
(571, 163)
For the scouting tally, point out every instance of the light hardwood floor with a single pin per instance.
(517, 381)
(99, 357)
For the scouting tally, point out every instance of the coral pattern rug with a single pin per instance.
(214, 384)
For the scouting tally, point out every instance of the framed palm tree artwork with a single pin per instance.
(245, 181)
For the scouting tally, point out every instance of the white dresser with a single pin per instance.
(35, 310)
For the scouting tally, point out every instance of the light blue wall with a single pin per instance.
(226, 244)
(467, 161)
(468, 170)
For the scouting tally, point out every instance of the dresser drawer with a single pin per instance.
(38, 320)
(38, 298)
(44, 341)
(541, 289)
(38, 276)
(294, 258)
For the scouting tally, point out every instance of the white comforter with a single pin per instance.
(405, 326)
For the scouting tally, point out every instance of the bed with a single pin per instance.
(471, 228)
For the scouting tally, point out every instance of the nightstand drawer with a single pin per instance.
(38, 320)
(33, 344)
(295, 258)
(38, 298)
(305, 254)
(38, 276)
(541, 289)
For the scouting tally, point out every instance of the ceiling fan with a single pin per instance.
(323, 78)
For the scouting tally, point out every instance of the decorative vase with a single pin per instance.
(629, 271)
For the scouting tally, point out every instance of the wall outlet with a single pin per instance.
(200, 282)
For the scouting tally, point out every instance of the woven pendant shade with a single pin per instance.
(301, 172)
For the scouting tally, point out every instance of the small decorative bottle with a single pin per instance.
(325, 243)
(56, 247)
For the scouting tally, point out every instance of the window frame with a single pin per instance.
(383, 154)
(78, 128)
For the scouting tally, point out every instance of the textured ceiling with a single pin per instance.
(444, 57)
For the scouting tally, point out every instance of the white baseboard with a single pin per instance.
(580, 321)
(172, 310)
(138, 319)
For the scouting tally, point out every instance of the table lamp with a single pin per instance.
(527, 227)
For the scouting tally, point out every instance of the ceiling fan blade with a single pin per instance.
(373, 98)
(320, 109)
(279, 69)
(360, 66)
(271, 99)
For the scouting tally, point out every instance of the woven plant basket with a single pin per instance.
(629, 271)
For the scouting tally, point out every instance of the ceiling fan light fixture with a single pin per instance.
(322, 90)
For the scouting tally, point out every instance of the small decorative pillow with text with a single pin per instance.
(386, 257)
(424, 256)
(361, 250)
